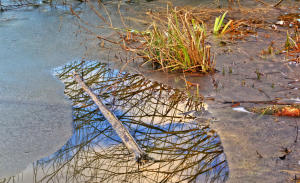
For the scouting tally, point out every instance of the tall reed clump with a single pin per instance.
(176, 42)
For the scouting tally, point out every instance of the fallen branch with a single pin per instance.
(272, 102)
(117, 125)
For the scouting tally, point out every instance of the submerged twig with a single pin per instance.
(278, 3)
(266, 4)
(262, 2)
(117, 125)
(273, 102)
(297, 132)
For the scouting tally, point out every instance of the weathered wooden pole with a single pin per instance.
(117, 125)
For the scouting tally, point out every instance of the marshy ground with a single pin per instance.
(245, 136)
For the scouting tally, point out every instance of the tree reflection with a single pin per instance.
(183, 151)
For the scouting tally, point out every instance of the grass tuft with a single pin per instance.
(177, 43)
(219, 23)
(292, 46)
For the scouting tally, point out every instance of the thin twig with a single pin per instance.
(262, 2)
(297, 128)
(278, 3)
(273, 102)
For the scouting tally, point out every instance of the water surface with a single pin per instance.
(185, 149)
(36, 117)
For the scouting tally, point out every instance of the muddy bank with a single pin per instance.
(259, 148)
(255, 143)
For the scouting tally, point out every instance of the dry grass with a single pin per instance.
(176, 42)
(175, 39)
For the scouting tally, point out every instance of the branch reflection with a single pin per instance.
(184, 151)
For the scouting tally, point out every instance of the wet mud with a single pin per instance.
(171, 124)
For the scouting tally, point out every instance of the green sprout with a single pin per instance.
(289, 43)
(219, 22)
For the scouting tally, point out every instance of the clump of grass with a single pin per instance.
(292, 46)
(173, 41)
(291, 43)
(177, 43)
(219, 27)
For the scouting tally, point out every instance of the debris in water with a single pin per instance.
(281, 22)
(289, 111)
(286, 152)
(276, 110)
(236, 104)
(241, 109)
(289, 20)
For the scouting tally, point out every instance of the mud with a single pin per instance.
(258, 148)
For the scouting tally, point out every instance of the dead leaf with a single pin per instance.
(236, 104)
(191, 84)
(289, 111)
(102, 44)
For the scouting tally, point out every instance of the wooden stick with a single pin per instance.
(117, 125)
(271, 102)
(278, 3)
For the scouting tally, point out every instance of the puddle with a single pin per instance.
(183, 149)
(164, 121)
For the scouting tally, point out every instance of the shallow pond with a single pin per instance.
(174, 128)
(183, 149)
(37, 116)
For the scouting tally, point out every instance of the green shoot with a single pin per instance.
(219, 22)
